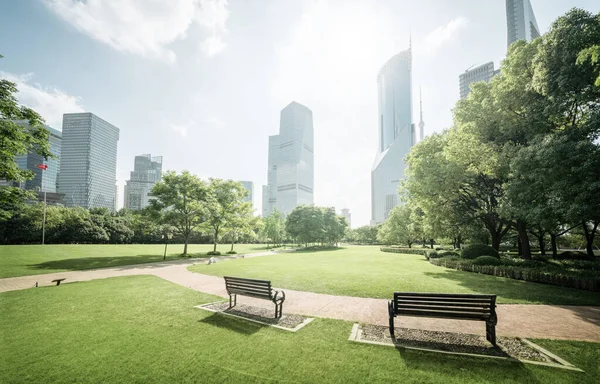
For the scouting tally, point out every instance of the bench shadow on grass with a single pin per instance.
(83, 263)
(488, 369)
(234, 324)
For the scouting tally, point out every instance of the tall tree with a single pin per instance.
(180, 201)
(225, 199)
(273, 228)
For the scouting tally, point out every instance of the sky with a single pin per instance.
(202, 82)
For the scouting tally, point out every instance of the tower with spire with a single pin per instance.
(421, 122)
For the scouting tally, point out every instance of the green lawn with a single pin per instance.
(144, 329)
(21, 260)
(368, 272)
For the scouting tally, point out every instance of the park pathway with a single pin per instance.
(532, 321)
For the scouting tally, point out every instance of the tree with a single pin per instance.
(273, 228)
(224, 200)
(180, 201)
(334, 226)
(17, 138)
(367, 234)
(241, 223)
(398, 228)
(305, 224)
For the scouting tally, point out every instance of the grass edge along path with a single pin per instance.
(363, 271)
(27, 260)
(144, 329)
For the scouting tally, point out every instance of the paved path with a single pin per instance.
(534, 321)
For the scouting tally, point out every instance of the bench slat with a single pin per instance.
(447, 295)
(487, 304)
(449, 309)
(249, 292)
(441, 314)
(253, 281)
(245, 285)
(442, 299)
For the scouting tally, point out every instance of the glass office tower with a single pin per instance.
(520, 21)
(396, 134)
(44, 180)
(250, 187)
(88, 164)
(290, 178)
(147, 171)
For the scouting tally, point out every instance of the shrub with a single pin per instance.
(448, 253)
(473, 251)
(411, 251)
(573, 255)
(487, 260)
(231, 252)
(213, 253)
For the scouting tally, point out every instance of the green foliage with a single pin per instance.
(487, 260)
(273, 230)
(309, 224)
(573, 255)
(21, 131)
(473, 251)
(180, 201)
(366, 234)
(213, 253)
(448, 253)
(231, 252)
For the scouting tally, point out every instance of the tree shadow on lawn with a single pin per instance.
(318, 249)
(234, 324)
(84, 263)
(487, 369)
(531, 293)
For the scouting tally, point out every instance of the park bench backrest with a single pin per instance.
(248, 287)
(455, 306)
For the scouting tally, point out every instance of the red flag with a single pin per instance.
(42, 166)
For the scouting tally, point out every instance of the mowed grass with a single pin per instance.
(142, 329)
(368, 272)
(21, 260)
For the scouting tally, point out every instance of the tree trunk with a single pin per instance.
(459, 242)
(542, 243)
(454, 243)
(553, 243)
(431, 242)
(589, 238)
(409, 244)
(524, 240)
(185, 246)
(215, 240)
(496, 240)
(231, 247)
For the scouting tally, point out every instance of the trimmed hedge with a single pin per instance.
(473, 251)
(487, 260)
(537, 272)
(213, 253)
(411, 251)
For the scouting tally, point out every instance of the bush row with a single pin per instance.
(412, 251)
(587, 280)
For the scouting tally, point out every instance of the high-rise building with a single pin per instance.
(291, 160)
(250, 187)
(147, 171)
(43, 180)
(88, 162)
(396, 133)
(348, 216)
(483, 72)
(520, 21)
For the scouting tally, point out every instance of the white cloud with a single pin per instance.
(444, 34)
(49, 102)
(181, 129)
(145, 27)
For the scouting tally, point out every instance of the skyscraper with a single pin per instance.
(88, 163)
(265, 201)
(291, 160)
(520, 21)
(348, 216)
(396, 133)
(147, 171)
(250, 187)
(483, 72)
(44, 180)
(421, 122)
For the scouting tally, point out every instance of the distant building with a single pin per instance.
(346, 213)
(421, 122)
(147, 171)
(396, 133)
(88, 163)
(483, 72)
(520, 21)
(44, 180)
(250, 187)
(290, 175)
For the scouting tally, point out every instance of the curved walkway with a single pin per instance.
(532, 321)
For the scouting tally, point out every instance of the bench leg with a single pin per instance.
(232, 303)
(57, 283)
(391, 313)
(490, 332)
(278, 310)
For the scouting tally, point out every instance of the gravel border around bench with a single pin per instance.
(287, 322)
(511, 348)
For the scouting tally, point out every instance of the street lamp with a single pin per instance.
(43, 167)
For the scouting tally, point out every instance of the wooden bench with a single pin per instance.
(260, 289)
(447, 306)
(57, 281)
